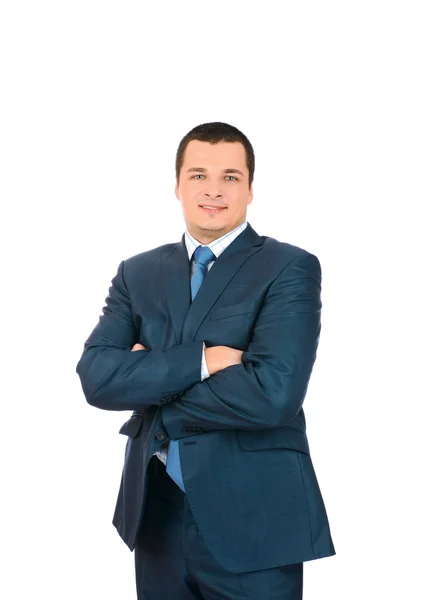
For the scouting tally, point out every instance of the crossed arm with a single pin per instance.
(217, 357)
(264, 389)
(113, 378)
(267, 389)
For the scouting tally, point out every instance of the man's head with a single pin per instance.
(215, 165)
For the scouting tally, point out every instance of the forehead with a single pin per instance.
(221, 153)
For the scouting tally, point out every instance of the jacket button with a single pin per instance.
(160, 436)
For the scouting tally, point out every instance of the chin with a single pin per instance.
(211, 227)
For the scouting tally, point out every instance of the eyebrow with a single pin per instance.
(203, 170)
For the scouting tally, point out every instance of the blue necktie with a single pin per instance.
(202, 256)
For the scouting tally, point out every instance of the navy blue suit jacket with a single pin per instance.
(244, 452)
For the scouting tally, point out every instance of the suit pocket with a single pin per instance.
(232, 310)
(268, 439)
(133, 425)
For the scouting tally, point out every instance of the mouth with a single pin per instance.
(212, 210)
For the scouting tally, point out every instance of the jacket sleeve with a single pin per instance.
(114, 378)
(268, 388)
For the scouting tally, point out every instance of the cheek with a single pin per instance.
(190, 194)
(235, 207)
(189, 200)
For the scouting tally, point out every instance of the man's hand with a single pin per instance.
(138, 347)
(217, 357)
(220, 357)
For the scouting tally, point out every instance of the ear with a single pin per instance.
(251, 194)
(177, 192)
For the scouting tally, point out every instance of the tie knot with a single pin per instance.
(203, 255)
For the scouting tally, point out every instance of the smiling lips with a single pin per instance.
(212, 210)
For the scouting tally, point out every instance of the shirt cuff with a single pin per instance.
(204, 371)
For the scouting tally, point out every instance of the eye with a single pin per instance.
(200, 175)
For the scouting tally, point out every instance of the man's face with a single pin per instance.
(204, 181)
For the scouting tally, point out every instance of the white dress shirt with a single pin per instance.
(217, 246)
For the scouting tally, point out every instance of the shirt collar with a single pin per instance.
(217, 246)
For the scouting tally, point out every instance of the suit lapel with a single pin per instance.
(187, 316)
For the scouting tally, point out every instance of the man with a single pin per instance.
(211, 342)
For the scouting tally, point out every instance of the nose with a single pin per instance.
(212, 194)
(212, 189)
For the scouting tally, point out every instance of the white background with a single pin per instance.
(95, 97)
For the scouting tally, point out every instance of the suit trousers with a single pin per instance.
(172, 561)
